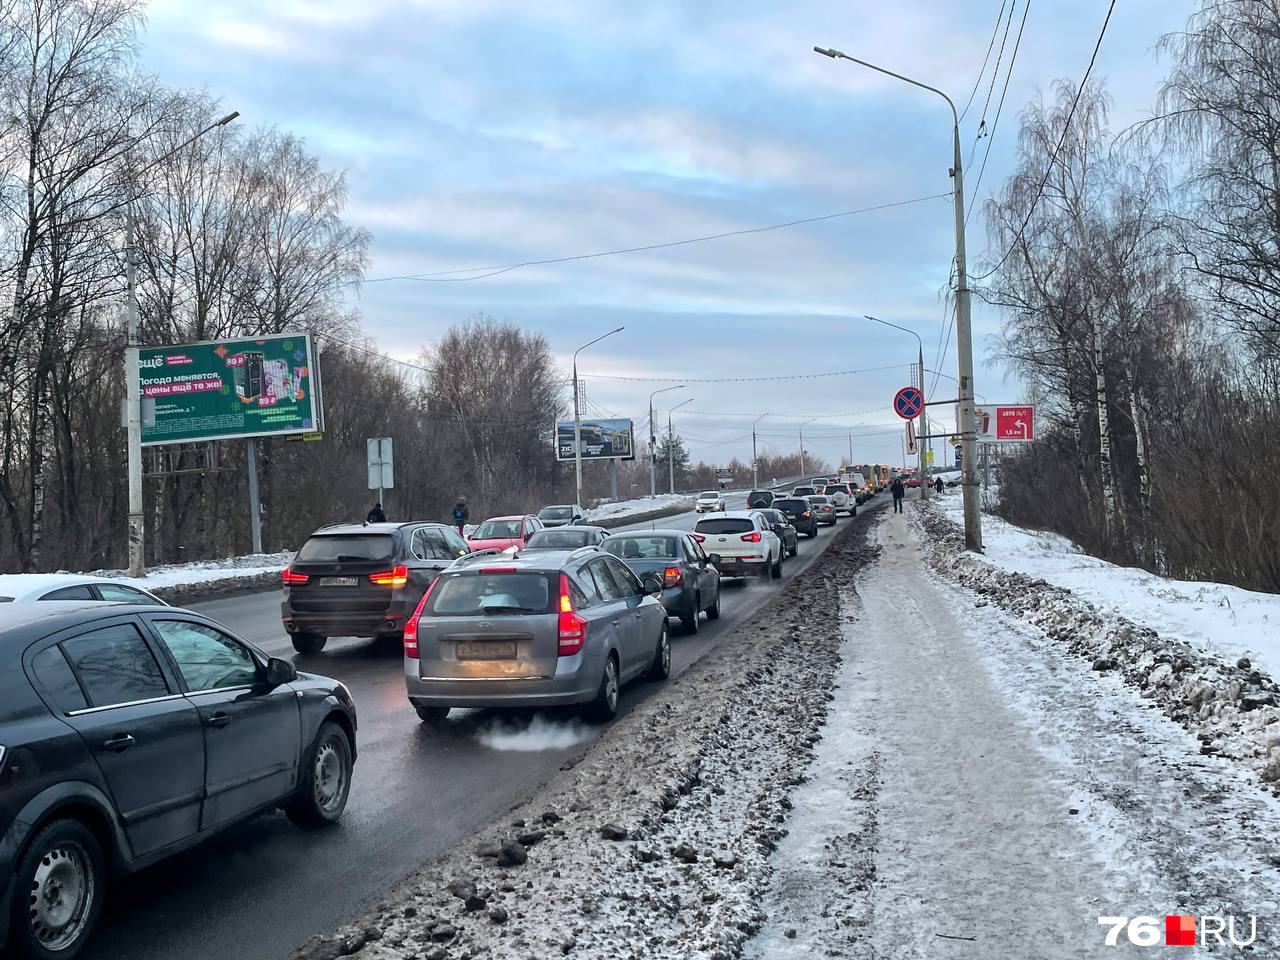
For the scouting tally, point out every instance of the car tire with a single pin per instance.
(308, 643)
(713, 611)
(766, 570)
(776, 569)
(795, 547)
(689, 619)
(431, 714)
(604, 706)
(660, 669)
(326, 779)
(63, 860)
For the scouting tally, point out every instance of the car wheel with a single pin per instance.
(777, 566)
(795, 547)
(308, 643)
(689, 619)
(430, 714)
(713, 611)
(58, 892)
(660, 669)
(604, 707)
(326, 779)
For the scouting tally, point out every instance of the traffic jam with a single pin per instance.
(132, 730)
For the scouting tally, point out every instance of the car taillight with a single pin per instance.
(397, 576)
(573, 628)
(751, 537)
(671, 576)
(411, 627)
(700, 538)
(497, 569)
(290, 577)
(806, 514)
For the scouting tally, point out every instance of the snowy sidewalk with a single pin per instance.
(981, 793)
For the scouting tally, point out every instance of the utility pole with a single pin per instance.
(755, 466)
(671, 446)
(577, 418)
(653, 440)
(924, 414)
(802, 470)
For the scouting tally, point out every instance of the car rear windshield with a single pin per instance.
(761, 495)
(556, 513)
(497, 530)
(708, 495)
(803, 491)
(819, 500)
(835, 488)
(725, 525)
(476, 594)
(347, 547)
(566, 539)
(642, 548)
(792, 505)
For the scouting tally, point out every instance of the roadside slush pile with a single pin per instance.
(656, 843)
(1229, 706)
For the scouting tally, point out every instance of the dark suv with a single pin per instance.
(760, 499)
(363, 579)
(131, 732)
(800, 512)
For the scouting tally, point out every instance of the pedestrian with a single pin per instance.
(376, 515)
(937, 485)
(898, 491)
(460, 515)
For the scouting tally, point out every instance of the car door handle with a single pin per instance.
(219, 719)
(119, 743)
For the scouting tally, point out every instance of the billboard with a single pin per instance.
(601, 440)
(222, 389)
(1006, 423)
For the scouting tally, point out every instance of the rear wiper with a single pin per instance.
(347, 558)
(497, 609)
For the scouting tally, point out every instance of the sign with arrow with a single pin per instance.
(908, 403)
(1015, 424)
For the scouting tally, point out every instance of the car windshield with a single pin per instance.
(641, 548)
(803, 491)
(484, 594)
(559, 539)
(347, 547)
(708, 495)
(791, 506)
(725, 525)
(835, 489)
(497, 530)
(819, 500)
(556, 513)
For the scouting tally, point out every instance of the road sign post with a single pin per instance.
(381, 464)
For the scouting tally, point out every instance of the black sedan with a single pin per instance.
(781, 525)
(690, 581)
(800, 512)
(566, 538)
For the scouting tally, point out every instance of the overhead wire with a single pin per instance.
(990, 46)
(982, 124)
(797, 376)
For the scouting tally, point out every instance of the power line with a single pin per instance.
(797, 376)
(990, 46)
(1066, 128)
(446, 276)
(994, 73)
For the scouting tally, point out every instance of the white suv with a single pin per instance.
(745, 543)
(709, 500)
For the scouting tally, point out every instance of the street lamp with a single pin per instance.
(802, 426)
(653, 456)
(671, 447)
(964, 332)
(132, 386)
(755, 468)
(577, 418)
(924, 411)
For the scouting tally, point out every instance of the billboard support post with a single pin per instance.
(613, 479)
(133, 402)
(255, 504)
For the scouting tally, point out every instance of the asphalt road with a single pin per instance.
(260, 890)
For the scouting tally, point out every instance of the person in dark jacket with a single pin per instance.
(937, 485)
(460, 515)
(376, 515)
(898, 491)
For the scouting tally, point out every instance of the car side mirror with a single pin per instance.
(651, 585)
(713, 559)
(280, 672)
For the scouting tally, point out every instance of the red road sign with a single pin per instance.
(1015, 423)
(908, 402)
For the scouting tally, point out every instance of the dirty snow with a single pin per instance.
(204, 571)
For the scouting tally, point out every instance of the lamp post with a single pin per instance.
(132, 386)
(671, 447)
(964, 332)
(653, 455)
(577, 418)
(755, 468)
(802, 426)
(924, 412)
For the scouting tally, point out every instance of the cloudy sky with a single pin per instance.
(479, 133)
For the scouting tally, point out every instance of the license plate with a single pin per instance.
(486, 650)
(339, 581)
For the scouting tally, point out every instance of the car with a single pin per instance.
(566, 538)
(131, 732)
(842, 497)
(781, 525)
(824, 510)
(561, 515)
(362, 579)
(760, 499)
(804, 491)
(819, 482)
(542, 629)
(27, 587)
(799, 512)
(744, 542)
(690, 580)
(709, 501)
(498, 533)
(913, 481)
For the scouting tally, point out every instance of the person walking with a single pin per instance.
(898, 491)
(938, 485)
(376, 515)
(460, 515)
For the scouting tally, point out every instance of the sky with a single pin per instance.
(482, 133)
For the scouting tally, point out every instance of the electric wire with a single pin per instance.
(990, 46)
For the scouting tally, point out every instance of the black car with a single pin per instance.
(760, 499)
(131, 732)
(781, 525)
(566, 538)
(690, 581)
(799, 512)
(561, 515)
(363, 579)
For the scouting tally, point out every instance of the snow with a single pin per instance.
(626, 508)
(203, 571)
(1214, 618)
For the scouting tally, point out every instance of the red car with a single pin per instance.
(502, 532)
(913, 481)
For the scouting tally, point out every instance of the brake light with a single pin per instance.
(700, 538)
(411, 627)
(753, 537)
(497, 569)
(397, 576)
(573, 628)
(672, 577)
(807, 514)
(290, 577)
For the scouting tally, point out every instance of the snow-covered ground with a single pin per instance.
(204, 571)
(625, 508)
(1214, 618)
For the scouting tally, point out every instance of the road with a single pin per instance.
(263, 888)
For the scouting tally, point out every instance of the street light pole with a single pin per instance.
(755, 466)
(653, 439)
(132, 384)
(671, 447)
(924, 411)
(802, 470)
(577, 418)
(964, 332)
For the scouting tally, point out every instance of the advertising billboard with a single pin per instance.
(1006, 423)
(601, 440)
(222, 389)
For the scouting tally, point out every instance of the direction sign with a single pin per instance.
(912, 449)
(908, 403)
(1015, 423)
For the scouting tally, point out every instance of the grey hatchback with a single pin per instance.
(532, 630)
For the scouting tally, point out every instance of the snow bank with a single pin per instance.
(204, 571)
(644, 505)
